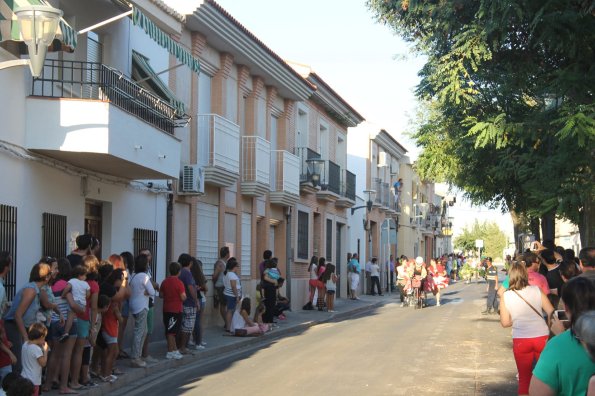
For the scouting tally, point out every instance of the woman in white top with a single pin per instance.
(232, 289)
(141, 288)
(313, 282)
(522, 307)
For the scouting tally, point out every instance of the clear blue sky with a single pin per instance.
(363, 61)
(343, 44)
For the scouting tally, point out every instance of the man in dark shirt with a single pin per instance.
(83, 246)
(492, 278)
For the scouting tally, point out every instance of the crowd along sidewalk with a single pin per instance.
(220, 343)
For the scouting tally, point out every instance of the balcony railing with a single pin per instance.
(377, 186)
(218, 142)
(256, 160)
(89, 80)
(332, 178)
(285, 168)
(304, 154)
(348, 185)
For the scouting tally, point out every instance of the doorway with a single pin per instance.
(94, 221)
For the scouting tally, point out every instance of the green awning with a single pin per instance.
(9, 28)
(143, 73)
(163, 39)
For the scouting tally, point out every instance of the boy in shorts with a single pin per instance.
(173, 293)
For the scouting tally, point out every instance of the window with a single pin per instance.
(302, 243)
(8, 242)
(147, 239)
(207, 235)
(329, 240)
(54, 235)
(246, 253)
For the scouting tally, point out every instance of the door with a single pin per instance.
(94, 220)
(338, 256)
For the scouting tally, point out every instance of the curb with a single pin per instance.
(136, 374)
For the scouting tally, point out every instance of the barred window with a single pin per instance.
(54, 235)
(146, 239)
(302, 242)
(8, 242)
(329, 240)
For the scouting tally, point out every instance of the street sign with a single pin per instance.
(479, 243)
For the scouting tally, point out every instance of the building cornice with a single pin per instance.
(336, 106)
(390, 144)
(226, 34)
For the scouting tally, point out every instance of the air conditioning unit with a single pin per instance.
(192, 179)
(382, 159)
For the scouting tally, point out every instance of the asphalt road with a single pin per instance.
(446, 350)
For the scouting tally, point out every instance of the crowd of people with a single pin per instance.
(548, 298)
(65, 328)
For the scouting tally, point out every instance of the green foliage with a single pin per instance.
(494, 240)
(507, 94)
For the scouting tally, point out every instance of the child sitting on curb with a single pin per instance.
(242, 325)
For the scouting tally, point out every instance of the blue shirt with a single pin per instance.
(189, 283)
(30, 315)
(354, 266)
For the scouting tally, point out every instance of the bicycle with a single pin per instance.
(416, 297)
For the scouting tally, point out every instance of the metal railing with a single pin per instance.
(256, 159)
(218, 142)
(332, 179)
(304, 153)
(348, 185)
(90, 80)
(377, 186)
(285, 172)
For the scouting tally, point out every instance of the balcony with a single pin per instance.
(93, 117)
(347, 196)
(256, 166)
(285, 178)
(218, 148)
(330, 182)
(309, 180)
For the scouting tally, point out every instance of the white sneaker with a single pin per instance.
(200, 347)
(169, 355)
(137, 363)
(203, 344)
(150, 360)
(191, 343)
(177, 355)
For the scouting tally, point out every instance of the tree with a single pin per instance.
(509, 91)
(494, 240)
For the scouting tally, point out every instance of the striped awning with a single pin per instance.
(9, 27)
(146, 76)
(164, 40)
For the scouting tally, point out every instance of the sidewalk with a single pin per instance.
(219, 343)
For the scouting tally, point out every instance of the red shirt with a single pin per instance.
(109, 322)
(171, 289)
(94, 290)
(536, 279)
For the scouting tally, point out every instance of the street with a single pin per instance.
(446, 350)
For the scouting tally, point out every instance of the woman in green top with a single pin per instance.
(564, 367)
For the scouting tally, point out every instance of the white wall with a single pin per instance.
(35, 188)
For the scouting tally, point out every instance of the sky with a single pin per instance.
(363, 61)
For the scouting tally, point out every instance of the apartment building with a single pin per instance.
(89, 146)
(375, 153)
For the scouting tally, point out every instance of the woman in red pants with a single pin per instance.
(526, 309)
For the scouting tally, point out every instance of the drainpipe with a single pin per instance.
(169, 237)
(288, 255)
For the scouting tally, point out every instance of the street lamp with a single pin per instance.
(38, 25)
(370, 194)
(315, 166)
